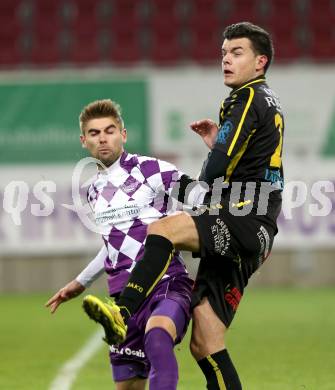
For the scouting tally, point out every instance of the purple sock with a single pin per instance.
(158, 346)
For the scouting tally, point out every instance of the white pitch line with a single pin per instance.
(68, 372)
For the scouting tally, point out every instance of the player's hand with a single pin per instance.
(207, 129)
(71, 290)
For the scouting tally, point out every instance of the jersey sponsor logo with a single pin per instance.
(221, 236)
(114, 215)
(264, 240)
(275, 178)
(135, 287)
(233, 297)
(127, 351)
(224, 132)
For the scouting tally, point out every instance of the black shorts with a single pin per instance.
(232, 248)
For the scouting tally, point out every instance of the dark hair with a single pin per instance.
(261, 40)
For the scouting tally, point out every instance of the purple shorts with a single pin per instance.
(171, 298)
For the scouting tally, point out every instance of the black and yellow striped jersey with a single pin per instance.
(248, 146)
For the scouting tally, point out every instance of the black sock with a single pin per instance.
(220, 372)
(146, 274)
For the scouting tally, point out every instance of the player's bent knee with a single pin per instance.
(169, 225)
(179, 229)
(131, 384)
(162, 322)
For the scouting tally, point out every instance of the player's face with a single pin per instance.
(240, 63)
(104, 138)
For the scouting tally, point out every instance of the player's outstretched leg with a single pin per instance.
(108, 315)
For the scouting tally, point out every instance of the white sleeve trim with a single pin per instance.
(94, 269)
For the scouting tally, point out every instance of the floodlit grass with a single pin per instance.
(281, 339)
(34, 343)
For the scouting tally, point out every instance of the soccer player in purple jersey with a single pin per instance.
(125, 198)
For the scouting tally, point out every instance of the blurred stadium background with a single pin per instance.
(160, 59)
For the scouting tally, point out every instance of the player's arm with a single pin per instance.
(74, 288)
(94, 269)
(236, 126)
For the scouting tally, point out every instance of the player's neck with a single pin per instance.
(259, 78)
(110, 164)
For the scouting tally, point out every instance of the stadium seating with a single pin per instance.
(84, 48)
(127, 8)
(46, 49)
(125, 41)
(161, 32)
(45, 28)
(169, 9)
(322, 41)
(11, 53)
(11, 32)
(205, 40)
(242, 10)
(321, 19)
(10, 9)
(165, 42)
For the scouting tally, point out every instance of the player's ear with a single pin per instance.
(83, 141)
(262, 60)
(124, 135)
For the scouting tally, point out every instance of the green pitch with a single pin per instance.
(280, 340)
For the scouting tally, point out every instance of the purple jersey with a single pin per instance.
(126, 198)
